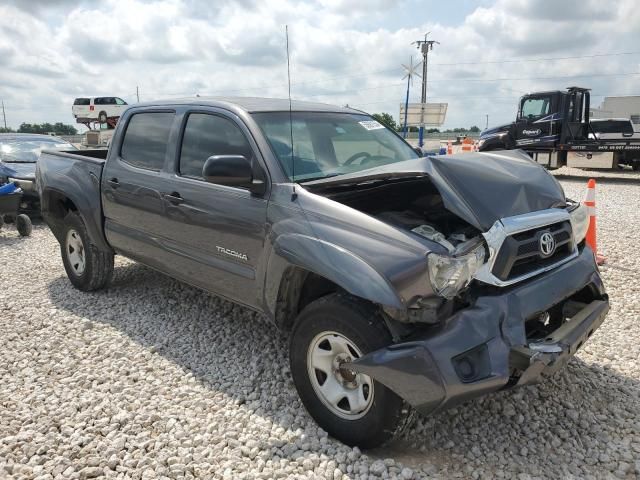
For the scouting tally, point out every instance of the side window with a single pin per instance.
(145, 140)
(119, 101)
(98, 101)
(206, 135)
(535, 107)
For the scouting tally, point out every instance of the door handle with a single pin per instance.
(113, 183)
(173, 197)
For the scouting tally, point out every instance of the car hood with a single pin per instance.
(480, 188)
(22, 170)
(489, 132)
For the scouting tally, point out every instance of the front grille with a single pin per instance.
(520, 253)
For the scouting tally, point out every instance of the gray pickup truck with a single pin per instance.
(405, 282)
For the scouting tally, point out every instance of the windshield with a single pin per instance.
(28, 150)
(330, 144)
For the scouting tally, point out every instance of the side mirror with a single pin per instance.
(232, 171)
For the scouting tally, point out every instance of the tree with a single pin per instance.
(474, 129)
(6, 130)
(57, 128)
(386, 119)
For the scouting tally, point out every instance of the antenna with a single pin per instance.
(293, 163)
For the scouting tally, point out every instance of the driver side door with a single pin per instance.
(534, 122)
(215, 233)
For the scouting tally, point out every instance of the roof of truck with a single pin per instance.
(255, 104)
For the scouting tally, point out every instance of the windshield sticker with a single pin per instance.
(371, 125)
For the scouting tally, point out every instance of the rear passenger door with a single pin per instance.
(131, 188)
(215, 232)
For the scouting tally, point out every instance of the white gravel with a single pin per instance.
(155, 379)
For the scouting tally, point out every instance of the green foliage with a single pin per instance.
(57, 128)
(7, 130)
(386, 119)
(475, 129)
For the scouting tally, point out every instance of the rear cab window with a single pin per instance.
(146, 138)
(82, 101)
(206, 135)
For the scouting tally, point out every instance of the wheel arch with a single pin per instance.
(302, 269)
(56, 205)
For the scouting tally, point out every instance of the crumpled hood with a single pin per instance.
(480, 188)
(23, 170)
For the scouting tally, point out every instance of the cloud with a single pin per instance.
(341, 51)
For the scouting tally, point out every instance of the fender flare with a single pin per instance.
(330, 261)
(82, 201)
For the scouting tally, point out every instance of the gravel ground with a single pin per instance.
(155, 379)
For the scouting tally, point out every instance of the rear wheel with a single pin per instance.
(350, 406)
(24, 225)
(87, 267)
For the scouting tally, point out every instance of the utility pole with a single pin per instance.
(487, 124)
(424, 46)
(138, 94)
(4, 116)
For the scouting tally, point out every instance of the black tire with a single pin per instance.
(361, 325)
(636, 166)
(1, 222)
(9, 218)
(102, 117)
(24, 225)
(97, 265)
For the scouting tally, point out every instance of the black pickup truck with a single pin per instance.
(405, 282)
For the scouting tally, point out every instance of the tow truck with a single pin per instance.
(554, 128)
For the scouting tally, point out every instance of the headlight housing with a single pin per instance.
(579, 222)
(450, 274)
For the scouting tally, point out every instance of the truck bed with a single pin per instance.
(78, 175)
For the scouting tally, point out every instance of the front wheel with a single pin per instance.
(350, 406)
(87, 267)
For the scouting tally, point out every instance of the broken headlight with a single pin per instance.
(450, 274)
(579, 222)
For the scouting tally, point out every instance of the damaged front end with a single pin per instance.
(508, 289)
(505, 337)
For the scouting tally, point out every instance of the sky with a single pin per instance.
(342, 52)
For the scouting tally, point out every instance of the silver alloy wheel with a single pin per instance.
(74, 249)
(347, 394)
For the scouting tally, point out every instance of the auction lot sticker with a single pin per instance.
(371, 125)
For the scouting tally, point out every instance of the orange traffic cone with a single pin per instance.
(590, 202)
(449, 148)
(467, 145)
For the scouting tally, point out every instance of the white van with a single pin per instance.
(97, 109)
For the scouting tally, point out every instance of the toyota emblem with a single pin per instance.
(547, 244)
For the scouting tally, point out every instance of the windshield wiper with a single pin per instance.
(321, 177)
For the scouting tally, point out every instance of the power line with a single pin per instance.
(597, 55)
(395, 70)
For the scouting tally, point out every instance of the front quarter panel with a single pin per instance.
(367, 258)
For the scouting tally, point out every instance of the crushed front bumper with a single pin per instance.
(484, 348)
